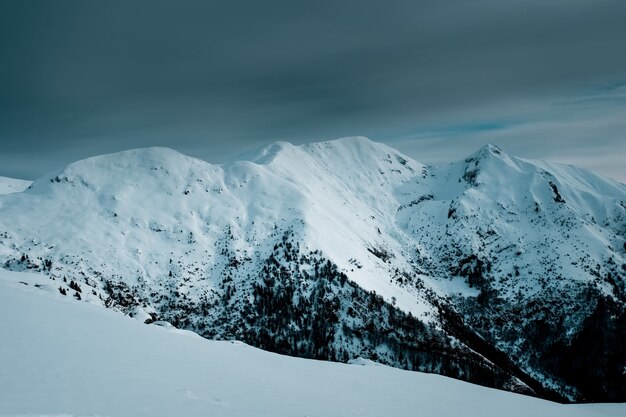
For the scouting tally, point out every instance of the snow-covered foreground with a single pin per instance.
(59, 357)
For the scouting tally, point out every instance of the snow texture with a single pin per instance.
(11, 185)
(62, 358)
(501, 239)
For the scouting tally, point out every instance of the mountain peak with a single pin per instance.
(353, 141)
(133, 158)
(123, 166)
(342, 150)
(357, 146)
(265, 154)
(356, 142)
(490, 150)
(153, 153)
(493, 148)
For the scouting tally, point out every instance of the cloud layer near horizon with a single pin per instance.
(434, 79)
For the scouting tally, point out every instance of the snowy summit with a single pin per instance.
(493, 269)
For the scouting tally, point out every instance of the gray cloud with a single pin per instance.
(210, 78)
(586, 130)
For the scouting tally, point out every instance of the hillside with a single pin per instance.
(65, 358)
(11, 185)
(494, 269)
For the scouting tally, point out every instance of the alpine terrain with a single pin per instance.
(62, 358)
(497, 270)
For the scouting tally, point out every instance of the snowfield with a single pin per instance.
(11, 185)
(59, 357)
(497, 270)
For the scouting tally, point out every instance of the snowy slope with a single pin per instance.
(65, 358)
(123, 212)
(11, 185)
(515, 212)
(285, 247)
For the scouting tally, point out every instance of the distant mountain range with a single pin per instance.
(497, 270)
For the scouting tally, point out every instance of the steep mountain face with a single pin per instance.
(543, 245)
(497, 270)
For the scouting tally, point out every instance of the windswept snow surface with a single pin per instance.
(11, 185)
(59, 357)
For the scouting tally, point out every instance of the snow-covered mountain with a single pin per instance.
(11, 185)
(73, 359)
(497, 270)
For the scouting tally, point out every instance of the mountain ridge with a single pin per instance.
(340, 249)
(13, 185)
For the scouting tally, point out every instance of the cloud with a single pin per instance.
(586, 130)
(211, 78)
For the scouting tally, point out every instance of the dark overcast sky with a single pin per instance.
(435, 79)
